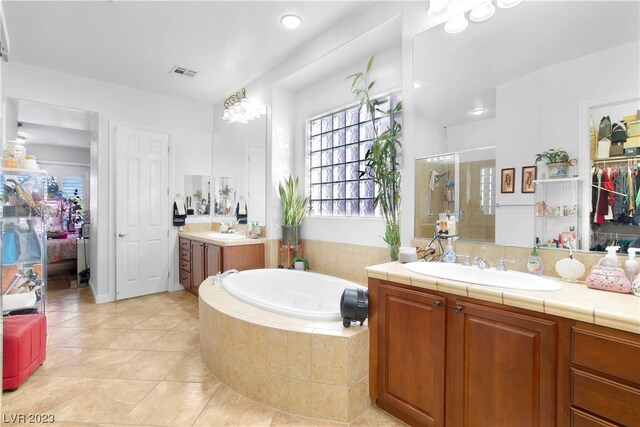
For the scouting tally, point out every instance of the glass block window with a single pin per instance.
(487, 180)
(338, 143)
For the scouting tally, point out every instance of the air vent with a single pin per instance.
(183, 72)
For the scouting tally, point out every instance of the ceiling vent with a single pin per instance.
(183, 72)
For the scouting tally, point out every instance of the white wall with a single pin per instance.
(45, 152)
(191, 147)
(542, 110)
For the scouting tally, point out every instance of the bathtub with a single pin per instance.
(294, 293)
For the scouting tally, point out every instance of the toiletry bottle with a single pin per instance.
(534, 264)
(607, 275)
(631, 265)
(449, 254)
(635, 286)
(453, 226)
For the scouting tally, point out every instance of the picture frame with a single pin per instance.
(529, 175)
(507, 180)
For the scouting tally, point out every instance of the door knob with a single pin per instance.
(122, 234)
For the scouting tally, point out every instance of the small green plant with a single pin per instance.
(294, 205)
(302, 260)
(553, 156)
(225, 191)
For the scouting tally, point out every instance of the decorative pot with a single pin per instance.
(291, 234)
(298, 265)
(558, 170)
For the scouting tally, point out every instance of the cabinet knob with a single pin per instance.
(458, 308)
(437, 303)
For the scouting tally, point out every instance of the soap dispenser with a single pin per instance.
(607, 275)
(631, 265)
(449, 254)
(534, 264)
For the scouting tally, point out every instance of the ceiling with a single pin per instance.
(136, 44)
(458, 72)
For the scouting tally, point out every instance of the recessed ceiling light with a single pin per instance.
(291, 21)
(478, 112)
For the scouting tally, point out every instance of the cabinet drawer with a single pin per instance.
(184, 243)
(606, 353)
(185, 279)
(185, 255)
(185, 265)
(582, 419)
(606, 398)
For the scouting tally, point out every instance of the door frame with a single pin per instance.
(247, 174)
(112, 231)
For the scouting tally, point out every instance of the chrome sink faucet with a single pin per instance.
(482, 263)
(218, 278)
(501, 266)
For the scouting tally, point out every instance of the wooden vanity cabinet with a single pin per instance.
(437, 359)
(411, 354)
(200, 260)
(605, 376)
(502, 367)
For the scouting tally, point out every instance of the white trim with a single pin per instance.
(59, 163)
(111, 229)
(584, 156)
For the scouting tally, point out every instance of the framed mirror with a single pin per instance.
(517, 82)
(197, 194)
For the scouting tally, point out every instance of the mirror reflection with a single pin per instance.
(519, 82)
(198, 194)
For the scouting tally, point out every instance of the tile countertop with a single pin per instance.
(573, 300)
(202, 236)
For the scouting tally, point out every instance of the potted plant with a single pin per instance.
(294, 207)
(381, 160)
(557, 161)
(299, 263)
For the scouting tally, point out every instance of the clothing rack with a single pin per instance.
(610, 191)
(612, 234)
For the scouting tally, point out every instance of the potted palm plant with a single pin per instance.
(381, 160)
(294, 207)
(557, 161)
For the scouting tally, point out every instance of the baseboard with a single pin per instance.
(101, 299)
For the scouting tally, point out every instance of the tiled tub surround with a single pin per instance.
(313, 369)
(572, 301)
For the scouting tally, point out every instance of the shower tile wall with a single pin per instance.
(475, 224)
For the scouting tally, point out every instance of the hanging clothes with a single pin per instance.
(603, 198)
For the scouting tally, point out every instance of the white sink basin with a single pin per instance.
(477, 276)
(225, 236)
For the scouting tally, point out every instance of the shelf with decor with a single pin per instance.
(23, 221)
(557, 211)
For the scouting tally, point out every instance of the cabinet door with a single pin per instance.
(411, 355)
(197, 266)
(502, 368)
(213, 260)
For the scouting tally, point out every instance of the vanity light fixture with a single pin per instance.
(506, 4)
(456, 24)
(291, 21)
(482, 12)
(238, 108)
(478, 112)
(437, 8)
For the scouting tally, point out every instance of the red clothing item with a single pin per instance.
(605, 198)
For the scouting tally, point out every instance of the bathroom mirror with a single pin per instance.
(460, 185)
(516, 82)
(197, 194)
(239, 169)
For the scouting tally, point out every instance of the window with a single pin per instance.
(72, 183)
(338, 143)
(487, 178)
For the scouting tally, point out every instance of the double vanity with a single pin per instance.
(454, 352)
(205, 253)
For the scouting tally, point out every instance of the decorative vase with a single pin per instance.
(393, 252)
(298, 265)
(291, 234)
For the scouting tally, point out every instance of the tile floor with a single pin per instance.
(136, 362)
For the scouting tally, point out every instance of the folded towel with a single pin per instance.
(242, 208)
(179, 204)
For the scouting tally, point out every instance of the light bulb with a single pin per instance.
(456, 24)
(437, 8)
(482, 12)
(478, 112)
(506, 4)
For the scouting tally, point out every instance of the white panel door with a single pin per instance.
(256, 186)
(142, 210)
